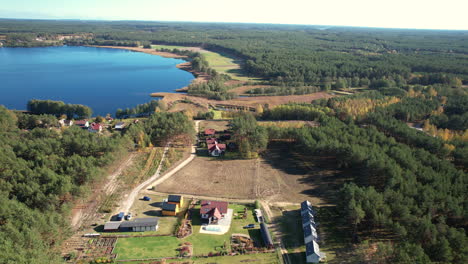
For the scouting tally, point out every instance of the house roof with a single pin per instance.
(96, 126)
(312, 248)
(174, 198)
(210, 131)
(215, 212)
(81, 122)
(169, 207)
(212, 147)
(112, 225)
(153, 221)
(207, 206)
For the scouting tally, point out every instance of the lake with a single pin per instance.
(101, 78)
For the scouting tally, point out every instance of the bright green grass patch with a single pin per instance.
(146, 247)
(264, 258)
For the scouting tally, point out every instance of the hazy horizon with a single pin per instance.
(400, 14)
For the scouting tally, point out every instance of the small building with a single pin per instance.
(216, 149)
(119, 126)
(170, 209)
(176, 199)
(82, 123)
(313, 254)
(209, 132)
(310, 234)
(95, 128)
(64, 122)
(212, 211)
(112, 226)
(267, 241)
(140, 225)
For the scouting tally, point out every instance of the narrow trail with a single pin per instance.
(156, 179)
(273, 226)
(85, 212)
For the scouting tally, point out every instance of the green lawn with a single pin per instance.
(155, 247)
(146, 247)
(267, 258)
(206, 243)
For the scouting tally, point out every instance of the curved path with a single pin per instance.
(155, 179)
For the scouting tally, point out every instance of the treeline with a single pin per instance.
(284, 90)
(215, 88)
(145, 109)
(59, 108)
(40, 172)
(296, 112)
(162, 128)
(249, 137)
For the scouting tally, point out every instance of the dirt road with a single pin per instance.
(155, 179)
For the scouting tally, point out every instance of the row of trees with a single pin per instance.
(214, 88)
(59, 108)
(145, 109)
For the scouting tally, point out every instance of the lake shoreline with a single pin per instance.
(186, 66)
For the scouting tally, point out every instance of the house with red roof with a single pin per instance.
(212, 211)
(209, 132)
(95, 128)
(82, 123)
(216, 149)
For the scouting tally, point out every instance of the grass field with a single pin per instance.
(221, 62)
(146, 247)
(264, 258)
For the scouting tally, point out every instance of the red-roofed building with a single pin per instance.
(216, 149)
(82, 123)
(210, 132)
(95, 127)
(212, 211)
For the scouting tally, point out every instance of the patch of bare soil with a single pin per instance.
(245, 101)
(278, 177)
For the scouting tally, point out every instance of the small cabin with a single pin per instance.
(176, 199)
(170, 209)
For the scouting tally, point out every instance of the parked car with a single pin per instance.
(146, 198)
(249, 226)
(129, 216)
(120, 216)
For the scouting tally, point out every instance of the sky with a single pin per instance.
(423, 14)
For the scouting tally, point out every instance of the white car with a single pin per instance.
(128, 216)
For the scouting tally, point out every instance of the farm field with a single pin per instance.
(203, 244)
(217, 125)
(278, 176)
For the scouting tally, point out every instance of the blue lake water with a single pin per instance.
(103, 79)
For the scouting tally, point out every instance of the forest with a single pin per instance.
(43, 169)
